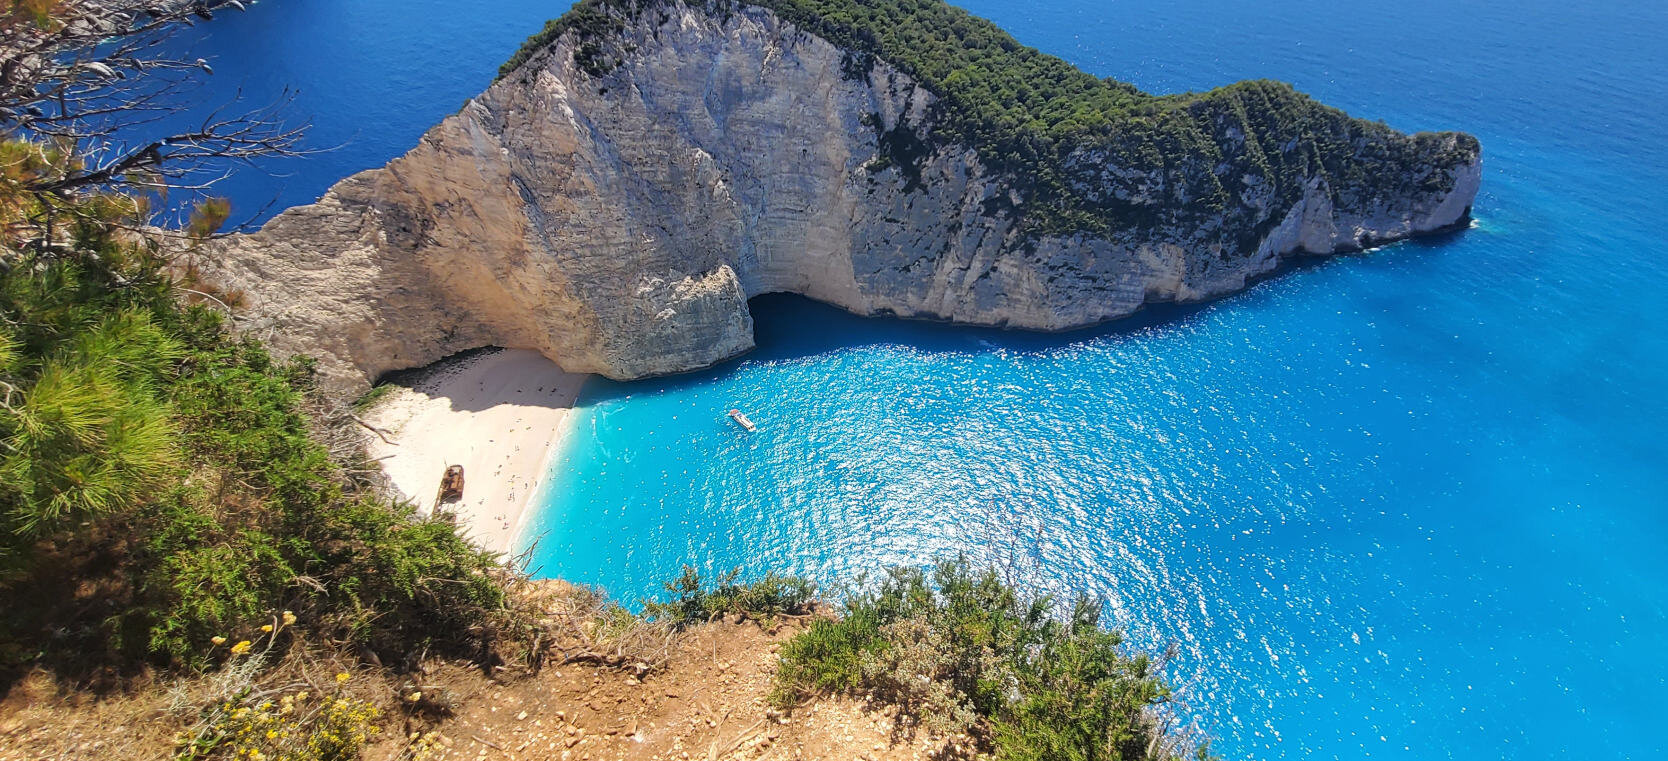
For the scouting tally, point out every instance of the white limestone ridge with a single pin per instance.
(619, 224)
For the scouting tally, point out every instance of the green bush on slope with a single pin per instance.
(960, 651)
(694, 600)
(159, 483)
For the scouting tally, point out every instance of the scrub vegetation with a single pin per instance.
(1051, 130)
(691, 600)
(151, 455)
(962, 653)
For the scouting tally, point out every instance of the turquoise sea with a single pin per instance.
(1409, 504)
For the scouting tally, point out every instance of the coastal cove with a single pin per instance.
(1406, 503)
(498, 413)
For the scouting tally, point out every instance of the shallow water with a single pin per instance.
(1404, 504)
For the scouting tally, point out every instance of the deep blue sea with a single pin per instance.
(1410, 504)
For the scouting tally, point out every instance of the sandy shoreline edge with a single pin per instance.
(500, 413)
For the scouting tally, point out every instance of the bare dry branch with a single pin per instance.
(92, 82)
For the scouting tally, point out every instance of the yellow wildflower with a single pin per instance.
(414, 697)
(218, 640)
(241, 647)
(343, 677)
(289, 618)
(266, 627)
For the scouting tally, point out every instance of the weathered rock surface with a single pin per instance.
(618, 224)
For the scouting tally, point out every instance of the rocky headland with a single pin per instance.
(642, 169)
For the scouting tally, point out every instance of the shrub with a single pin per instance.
(765, 599)
(234, 713)
(963, 652)
(291, 726)
(152, 456)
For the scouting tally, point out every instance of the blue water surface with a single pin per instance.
(1408, 504)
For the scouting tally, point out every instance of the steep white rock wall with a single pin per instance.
(618, 225)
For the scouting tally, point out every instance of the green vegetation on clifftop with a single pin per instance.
(963, 653)
(1053, 131)
(162, 482)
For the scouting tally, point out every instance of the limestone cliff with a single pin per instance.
(617, 218)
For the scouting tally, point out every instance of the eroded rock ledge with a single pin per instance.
(619, 223)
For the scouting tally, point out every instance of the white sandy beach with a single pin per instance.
(499, 415)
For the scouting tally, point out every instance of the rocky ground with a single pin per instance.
(708, 703)
(708, 700)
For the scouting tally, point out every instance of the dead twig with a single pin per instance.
(381, 433)
(714, 753)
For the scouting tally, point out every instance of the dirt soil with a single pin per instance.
(708, 702)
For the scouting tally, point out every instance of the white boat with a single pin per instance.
(742, 421)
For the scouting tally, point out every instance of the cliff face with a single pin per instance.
(619, 223)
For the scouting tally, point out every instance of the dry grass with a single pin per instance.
(42, 717)
(707, 700)
(603, 689)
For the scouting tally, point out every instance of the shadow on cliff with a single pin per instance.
(480, 379)
(789, 327)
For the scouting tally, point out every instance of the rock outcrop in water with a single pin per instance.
(617, 217)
